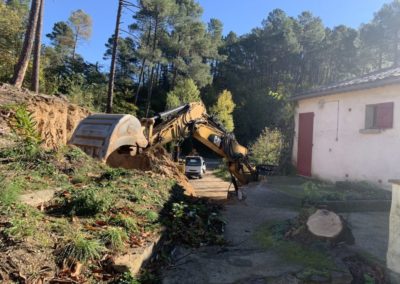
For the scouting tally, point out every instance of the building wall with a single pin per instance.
(340, 151)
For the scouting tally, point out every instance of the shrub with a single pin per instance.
(20, 228)
(114, 237)
(90, 201)
(267, 149)
(10, 191)
(81, 249)
(127, 222)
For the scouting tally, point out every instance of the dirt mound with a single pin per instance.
(56, 118)
(158, 160)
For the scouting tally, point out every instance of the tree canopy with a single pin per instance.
(169, 56)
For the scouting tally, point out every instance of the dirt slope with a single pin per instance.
(56, 118)
(158, 160)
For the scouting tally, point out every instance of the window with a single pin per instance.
(193, 162)
(379, 116)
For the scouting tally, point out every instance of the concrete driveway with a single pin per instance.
(243, 260)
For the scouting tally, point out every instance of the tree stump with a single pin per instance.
(324, 223)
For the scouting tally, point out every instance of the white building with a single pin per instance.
(350, 130)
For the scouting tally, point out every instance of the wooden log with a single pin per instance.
(324, 223)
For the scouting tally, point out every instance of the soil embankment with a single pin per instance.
(56, 120)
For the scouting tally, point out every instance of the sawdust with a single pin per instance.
(56, 118)
(158, 160)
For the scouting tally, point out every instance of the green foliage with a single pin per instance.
(20, 228)
(12, 27)
(24, 222)
(223, 110)
(271, 236)
(127, 278)
(222, 172)
(89, 201)
(10, 192)
(268, 147)
(152, 216)
(126, 222)
(80, 248)
(25, 126)
(184, 92)
(115, 238)
(62, 37)
(368, 279)
(318, 192)
(195, 223)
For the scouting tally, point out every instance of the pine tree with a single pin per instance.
(81, 25)
(37, 50)
(22, 65)
(184, 92)
(110, 92)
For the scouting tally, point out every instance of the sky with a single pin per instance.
(240, 16)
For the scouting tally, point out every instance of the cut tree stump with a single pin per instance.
(324, 223)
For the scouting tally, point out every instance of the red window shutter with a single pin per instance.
(384, 115)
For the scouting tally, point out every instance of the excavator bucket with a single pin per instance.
(112, 138)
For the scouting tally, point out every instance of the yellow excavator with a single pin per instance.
(116, 138)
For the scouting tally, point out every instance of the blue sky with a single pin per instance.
(237, 15)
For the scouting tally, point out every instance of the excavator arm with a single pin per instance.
(116, 138)
(193, 120)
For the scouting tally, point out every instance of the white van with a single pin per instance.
(195, 166)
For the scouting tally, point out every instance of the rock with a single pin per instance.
(37, 198)
(133, 260)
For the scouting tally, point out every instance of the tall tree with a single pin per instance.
(110, 92)
(388, 19)
(223, 110)
(22, 65)
(81, 25)
(184, 92)
(37, 50)
(12, 27)
(62, 38)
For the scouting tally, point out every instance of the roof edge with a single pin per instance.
(339, 90)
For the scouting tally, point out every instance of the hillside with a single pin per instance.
(67, 217)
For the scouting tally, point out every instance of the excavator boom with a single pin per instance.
(115, 139)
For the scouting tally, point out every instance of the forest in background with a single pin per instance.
(169, 56)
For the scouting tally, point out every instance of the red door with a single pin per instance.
(305, 143)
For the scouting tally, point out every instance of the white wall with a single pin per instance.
(340, 151)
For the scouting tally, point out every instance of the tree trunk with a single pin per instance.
(23, 61)
(113, 60)
(37, 49)
(141, 76)
(149, 92)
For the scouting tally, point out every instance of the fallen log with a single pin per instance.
(324, 223)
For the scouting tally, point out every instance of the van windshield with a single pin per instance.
(193, 162)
